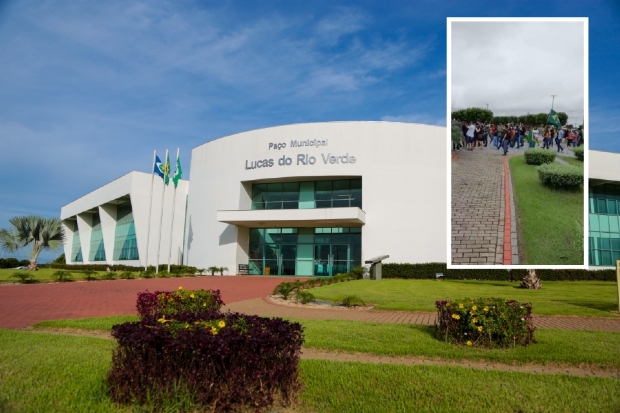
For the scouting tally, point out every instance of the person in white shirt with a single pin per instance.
(470, 136)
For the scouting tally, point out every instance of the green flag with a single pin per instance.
(178, 173)
(167, 170)
(553, 119)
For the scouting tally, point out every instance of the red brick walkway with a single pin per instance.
(24, 305)
(260, 306)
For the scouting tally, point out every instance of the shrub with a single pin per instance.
(208, 360)
(353, 301)
(537, 156)
(429, 269)
(108, 275)
(222, 362)
(201, 271)
(213, 270)
(222, 269)
(304, 297)
(169, 303)
(62, 276)
(358, 272)
(485, 322)
(578, 151)
(560, 176)
(23, 277)
(126, 275)
(89, 275)
(284, 289)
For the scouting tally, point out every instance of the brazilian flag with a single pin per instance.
(553, 119)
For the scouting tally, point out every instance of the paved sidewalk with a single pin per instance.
(478, 207)
(260, 306)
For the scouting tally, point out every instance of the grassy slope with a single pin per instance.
(584, 298)
(555, 346)
(61, 373)
(551, 221)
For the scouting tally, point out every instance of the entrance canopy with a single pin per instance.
(300, 218)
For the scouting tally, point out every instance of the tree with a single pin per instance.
(37, 232)
(563, 118)
(473, 115)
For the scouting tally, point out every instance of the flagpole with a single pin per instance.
(174, 193)
(161, 219)
(148, 233)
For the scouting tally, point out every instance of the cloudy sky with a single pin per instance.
(515, 67)
(89, 89)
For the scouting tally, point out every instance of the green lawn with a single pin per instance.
(554, 346)
(582, 298)
(550, 220)
(42, 275)
(359, 388)
(50, 372)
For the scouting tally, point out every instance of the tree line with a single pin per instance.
(486, 116)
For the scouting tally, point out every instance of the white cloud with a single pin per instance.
(515, 67)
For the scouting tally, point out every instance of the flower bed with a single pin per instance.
(211, 360)
(169, 303)
(485, 322)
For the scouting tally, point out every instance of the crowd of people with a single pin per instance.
(504, 136)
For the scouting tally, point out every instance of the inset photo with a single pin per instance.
(517, 107)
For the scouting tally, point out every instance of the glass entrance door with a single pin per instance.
(340, 259)
(280, 259)
(331, 259)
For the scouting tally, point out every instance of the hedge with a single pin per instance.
(578, 151)
(560, 176)
(13, 263)
(537, 156)
(119, 267)
(184, 348)
(218, 363)
(429, 271)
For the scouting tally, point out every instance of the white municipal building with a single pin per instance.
(304, 199)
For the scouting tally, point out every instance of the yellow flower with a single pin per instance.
(221, 324)
(191, 296)
(180, 288)
(460, 305)
(474, 320)
(163, 320)
(204, 304)
(469, 343)
(214, 331)
(485, 309)
(186, 325)
(474, 308)
(447, 304)
(456, 316)
(480, 328)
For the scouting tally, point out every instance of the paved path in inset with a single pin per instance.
(24, 305)
(260, 306)
(478, 208)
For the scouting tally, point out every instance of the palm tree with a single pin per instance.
(38, 232)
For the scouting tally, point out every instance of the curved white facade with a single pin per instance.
(402, 167)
